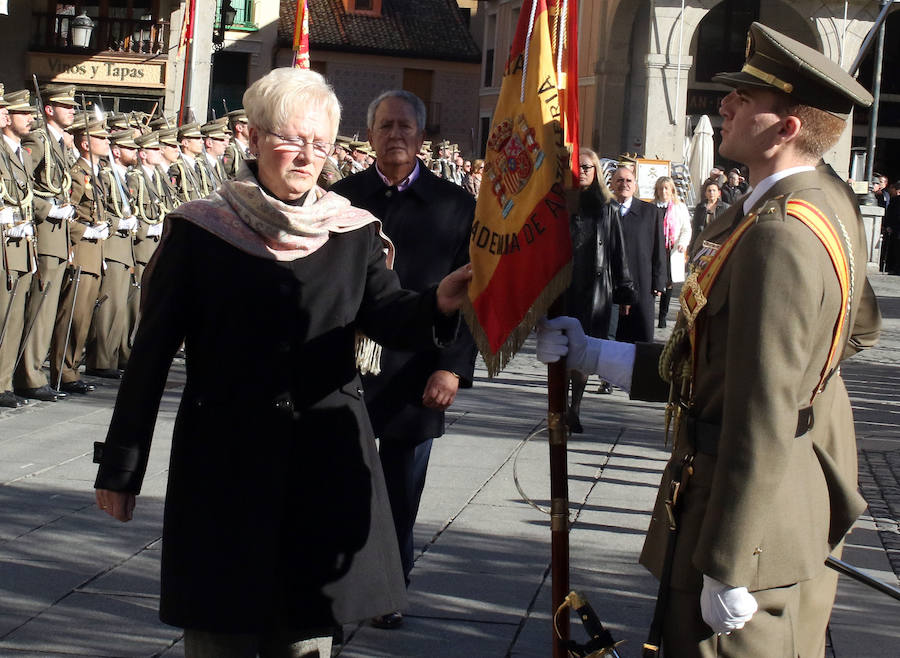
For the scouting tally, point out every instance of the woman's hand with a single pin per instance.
(118, 504)
(453, 290)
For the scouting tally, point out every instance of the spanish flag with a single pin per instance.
(301, 36)
(519, 246)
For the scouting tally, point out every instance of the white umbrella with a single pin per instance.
(701, 154)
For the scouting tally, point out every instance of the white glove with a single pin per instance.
(563, 336)
(725, 608)
(100, 232)
(103, 231)
(62, 212)
(127, 223)
(7, 216)
(155, 229)
(20, 231)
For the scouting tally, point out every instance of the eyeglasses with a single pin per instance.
(586, 168)
(297, 144)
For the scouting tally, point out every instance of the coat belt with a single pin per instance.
(705, 436)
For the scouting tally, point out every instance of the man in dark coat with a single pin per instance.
(644, 245)
(429, 221)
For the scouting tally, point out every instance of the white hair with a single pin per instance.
(273, 100)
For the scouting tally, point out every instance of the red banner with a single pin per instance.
(301, 36)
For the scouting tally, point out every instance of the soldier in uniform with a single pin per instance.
(81, 286)
(19, 256)
(52, 183)
(109, 329)
(147, 189)
(215, 141)
(357, 157)
(169, 153)
(239, 148)
(190, 180)
(763, 469)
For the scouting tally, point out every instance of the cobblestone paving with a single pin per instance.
(879, 481)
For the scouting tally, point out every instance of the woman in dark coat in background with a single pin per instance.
(277, 525)
(600, 276)
(711, 206)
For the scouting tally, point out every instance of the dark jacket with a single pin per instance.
(642, 227)
(276, 510)
(429, 224)
(701, 219)
(600, 275)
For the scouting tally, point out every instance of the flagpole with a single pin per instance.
(557, 384)
(188, 37)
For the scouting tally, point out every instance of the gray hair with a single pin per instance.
(414, 102)
(273, 100)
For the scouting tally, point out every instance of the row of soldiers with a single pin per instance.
(82, 203)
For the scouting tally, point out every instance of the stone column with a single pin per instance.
(664, 122)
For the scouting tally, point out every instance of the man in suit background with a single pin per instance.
(429, 221)
(645, 249)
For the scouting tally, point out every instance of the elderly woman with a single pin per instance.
(600, 275)
(277, 526)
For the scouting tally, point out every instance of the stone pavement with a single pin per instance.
(75, 583)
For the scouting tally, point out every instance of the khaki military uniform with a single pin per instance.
(186, 179)
(87, 253)
(148, 191)
(329, 175)
(109, 328)
(235, 154)
(19, 256)
(767, 501)
(53, 185)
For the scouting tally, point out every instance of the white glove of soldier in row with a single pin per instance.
(7, 216)
(62, 212)
(725, 608)
(20, 231)
(155, 229)
(128, 223)
(564, 337)
(100, 232)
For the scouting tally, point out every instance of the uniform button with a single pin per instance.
(757, 550)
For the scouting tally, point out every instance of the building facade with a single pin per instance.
(646, 66)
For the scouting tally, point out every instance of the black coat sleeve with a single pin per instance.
(397, 318)
(123, 458)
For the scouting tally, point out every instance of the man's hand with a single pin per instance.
(440, 390)
(624, 309)
(725, 608)
(453, 290)
(118, 504)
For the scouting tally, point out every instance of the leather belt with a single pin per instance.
(705, 436)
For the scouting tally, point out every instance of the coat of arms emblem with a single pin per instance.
(515, 156)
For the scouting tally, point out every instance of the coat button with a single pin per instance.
(284, 404)
(359, 391)
(284, 347)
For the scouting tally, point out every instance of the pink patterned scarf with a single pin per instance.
(669, 225)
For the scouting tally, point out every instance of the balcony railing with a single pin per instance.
(119, 35)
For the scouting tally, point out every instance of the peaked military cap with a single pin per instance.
(95, 128)
(358, 146)
(3, 102)
(58, 94)
(161, 122)
(18, 101)
(123, 138)
(215, 129)
(118, 120)
(168, 136)
(343, 142)
(236, 116)
(189, 130)
(148, 141)
(776, 61)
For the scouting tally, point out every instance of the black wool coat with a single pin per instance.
(642, 227)
(276, 512)
(429, 224)
(600, 275)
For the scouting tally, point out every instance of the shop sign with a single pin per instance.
(98, 70)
